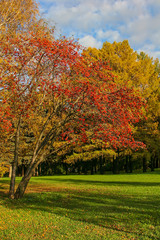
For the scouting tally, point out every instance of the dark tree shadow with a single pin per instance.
(93, 182)
(104, 209)
(95, 208)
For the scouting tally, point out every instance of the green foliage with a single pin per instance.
(87, 156)
(88, 152)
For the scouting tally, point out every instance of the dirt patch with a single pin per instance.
(39, 188)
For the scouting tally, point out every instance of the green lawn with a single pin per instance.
(125, 206)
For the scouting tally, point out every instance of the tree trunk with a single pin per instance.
(113, 167)
(144, 164)
(126, 166)
(15, 161)
(95, 166)
(22, 186)
(40, 169)
(22, 170)
(10, 171)
(78, 167)
(24, 182)
(28, 174)
(130, 164)
(66, 168)
(117, 164)
(152, 163)
(92, 167)
(36, 172)
(100, 165)
(157, 162)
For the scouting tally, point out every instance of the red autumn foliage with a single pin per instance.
(74, 96)
(93, 105)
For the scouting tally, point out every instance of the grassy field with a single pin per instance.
(83, 207)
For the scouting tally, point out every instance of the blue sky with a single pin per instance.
(96, 21)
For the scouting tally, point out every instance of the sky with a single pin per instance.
(94, 22)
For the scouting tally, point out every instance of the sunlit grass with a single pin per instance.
(125, 206)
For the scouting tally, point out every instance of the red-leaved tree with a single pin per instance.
(62, 98)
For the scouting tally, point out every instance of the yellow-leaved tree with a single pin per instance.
(16, 17)
(142, 73)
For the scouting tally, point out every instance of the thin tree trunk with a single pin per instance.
(95, 166)
(15, 161)
(130, 164)
(22, 170)
(113, 167)
(126, 168)
(10, 171)
(100, 165)
(29, 172)
(152, 163)
(23, 185)
(37, 173)
(91, 167)
(33, 173)
(78, 167)
(40, 169)
(117, 164)
(25, 180)
(144, 164)
(157, 162)
(66, 168)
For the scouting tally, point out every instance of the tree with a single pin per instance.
(140, 72)
(63, 98)
(17, 15)
(89, 155)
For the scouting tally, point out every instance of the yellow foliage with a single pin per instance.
(4, 168)
(17, 14)
(137, 71)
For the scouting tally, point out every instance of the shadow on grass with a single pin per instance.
(4, 180)
(91, 205)
(99, 208)
(93, 182)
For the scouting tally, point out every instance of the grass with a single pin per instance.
(125, 206)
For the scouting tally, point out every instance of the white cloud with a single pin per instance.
(107, 20)
(110, 35)
(145, 29)
(90, 41)
(75, 17)
(150, 50)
